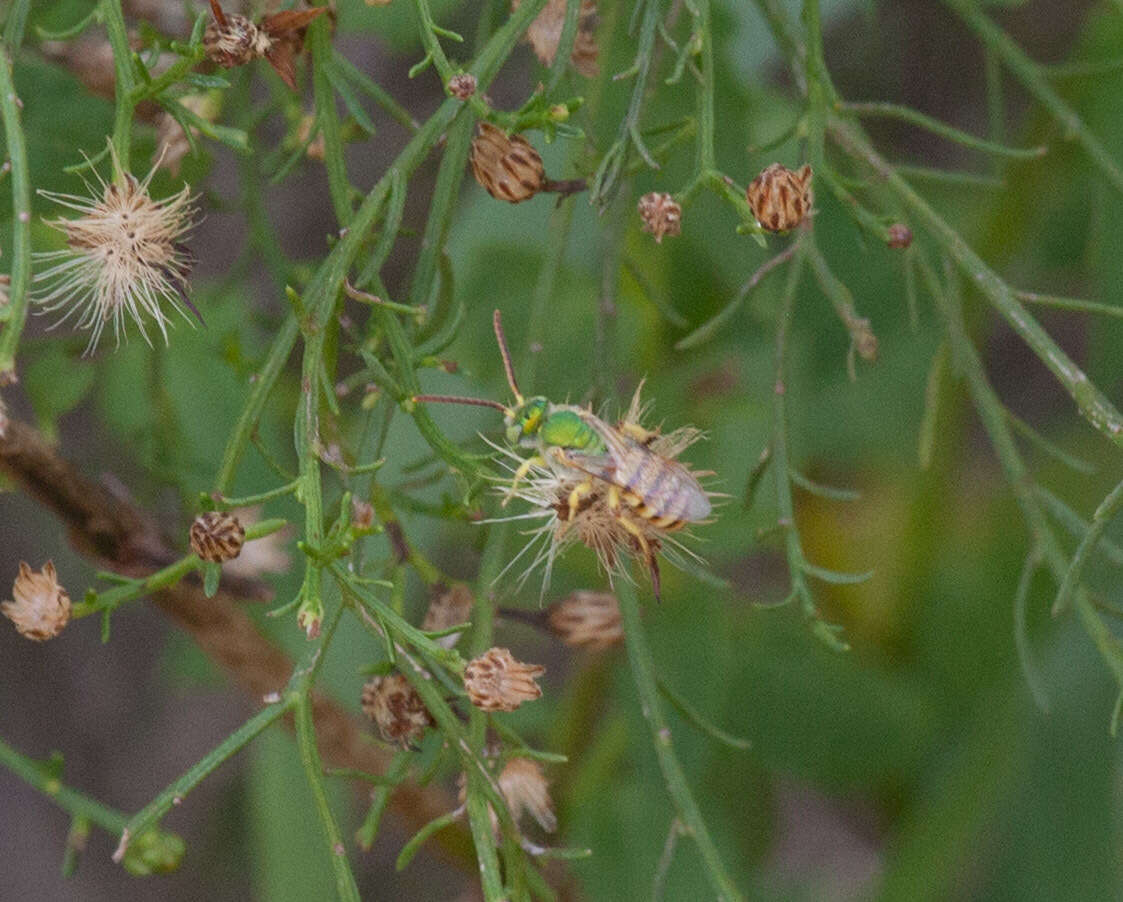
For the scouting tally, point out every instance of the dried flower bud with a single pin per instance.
(544, 35)
(217, 536)
(362, 515)
(508, 167)
(661, 215)
(41, 607)
(780, 198)
(316, 149)
(449, 609)
(497, 682)
(234, 41)
(586, 620)
(524, 789)
(462, 86)
(5, 285)
(396, 708)
(865, 342)
(900, 236)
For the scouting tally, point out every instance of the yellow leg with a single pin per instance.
(525, 467)
(637, 432)
(629, 525)
(582, 490)
(614, 499)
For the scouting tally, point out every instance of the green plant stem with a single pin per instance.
(996, 424)
(707, 159)
(1101, 519)
(328, 280)
(125, 82)
(936, 127)
(75, 803)
(643, 672)
(174, 794)
(1091, 402)
(380, 798)
(14, 314)
(564, 51)
(327, 118)
(1035, 80)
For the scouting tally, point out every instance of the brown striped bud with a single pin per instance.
(586, 620)
(509, 168)
(780, 199)
(41, 607)
(661, 215)
(497, 682)
(217, 536)
(396, 709)
(462, 86)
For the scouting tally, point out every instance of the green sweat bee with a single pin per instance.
(649, 492)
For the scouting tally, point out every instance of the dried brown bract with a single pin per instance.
(462, 86)
(586, 620)
(41, 607)
(233, 40)
(544, 35)
(525, 790)
(497, 682)
(396, 709)
(217, 536)
(446, 609)
(509, 167)
(661, 215)
(780, 198)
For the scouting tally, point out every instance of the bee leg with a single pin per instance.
(525, 467)
(582, 490)
(645, 548)
(637, 432)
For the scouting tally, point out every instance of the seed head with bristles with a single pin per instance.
(124, 257)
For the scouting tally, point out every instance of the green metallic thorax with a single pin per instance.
(538, 422)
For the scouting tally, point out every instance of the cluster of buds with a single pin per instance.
(462, 86)
(396, 709)
(509, 167)
(495, 681)
(660, 215)
(217, 536)
(232, 40)
(780, 198)
(544, 35)
(41, 607)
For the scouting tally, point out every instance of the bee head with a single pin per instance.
(524, 420)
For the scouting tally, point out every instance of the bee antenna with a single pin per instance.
(497, 321)
(456, 399)
(218, 14)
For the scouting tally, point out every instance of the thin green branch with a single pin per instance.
(125, 81)
(1101, 519)
(1035, 80)
(14, 313)
(936, 127)
(643, 672)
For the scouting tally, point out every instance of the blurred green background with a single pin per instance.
(914, 767)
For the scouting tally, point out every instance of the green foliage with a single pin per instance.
(906, 611)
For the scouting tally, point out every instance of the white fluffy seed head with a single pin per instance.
(124, 257)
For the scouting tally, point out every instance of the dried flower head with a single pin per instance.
(217, 536)
(462, 86)
(525, 790)
(446, 609)
(586, 620)
(780, 199)
(508, 167)
(661, 215)
(544, 35)
(900, 236)
(41, 607)
(124, 257)
(232, 40)
(5, 286)
(396, 709)
(497, 682)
